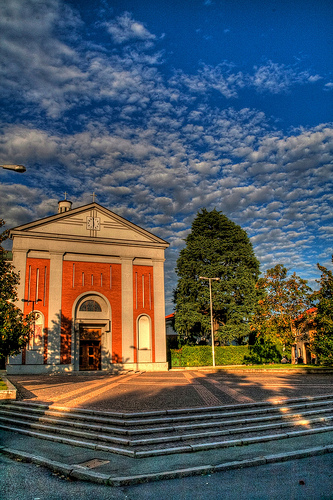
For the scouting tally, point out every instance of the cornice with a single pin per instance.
(25, 228)
(85, 239)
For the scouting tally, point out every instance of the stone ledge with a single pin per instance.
(11, 392)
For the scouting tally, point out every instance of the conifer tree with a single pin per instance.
(216, 248)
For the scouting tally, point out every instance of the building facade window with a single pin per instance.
(90, 306)
(144, 332)
(36, 339)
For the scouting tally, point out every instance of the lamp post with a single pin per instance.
(16, 168)
(211, 311)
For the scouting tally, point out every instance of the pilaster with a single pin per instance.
(127, 309)
(55, 291)
(159, 311)
(20, 264)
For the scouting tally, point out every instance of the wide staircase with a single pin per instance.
(154, 433)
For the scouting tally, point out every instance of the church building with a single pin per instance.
(96, 284)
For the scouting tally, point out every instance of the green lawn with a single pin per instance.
(3, 386)
(275, 366)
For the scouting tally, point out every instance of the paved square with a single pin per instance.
(175, 389)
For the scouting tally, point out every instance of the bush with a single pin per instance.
(263, 351)
(202, 355)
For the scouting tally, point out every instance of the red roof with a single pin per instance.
(308, 311)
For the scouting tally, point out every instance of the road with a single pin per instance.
(305, 479)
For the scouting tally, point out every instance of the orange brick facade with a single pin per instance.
(37, 288)
(143, 302)
(97, 282)
(88, 277)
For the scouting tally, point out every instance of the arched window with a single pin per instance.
(144, 332)
(90, 306)
(36, 337)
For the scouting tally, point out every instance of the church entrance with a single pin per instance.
(90, 349)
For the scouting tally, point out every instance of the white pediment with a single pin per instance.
(91, 221)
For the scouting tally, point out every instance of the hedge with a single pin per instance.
(202, 356)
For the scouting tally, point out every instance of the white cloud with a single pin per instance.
(279, 78)
(124, 28)
(154, 150)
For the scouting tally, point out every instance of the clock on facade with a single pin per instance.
(93, 223)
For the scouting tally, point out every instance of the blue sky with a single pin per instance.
(164, 107)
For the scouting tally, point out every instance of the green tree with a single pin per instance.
(14, 327)
(282, 299)
(217, 248)
(323, 338)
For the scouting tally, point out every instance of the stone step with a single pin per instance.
(181, 448)
(207, 427)
(184, 439)
(183, 415)
(237, 426)
(149, 419)
(98, 434)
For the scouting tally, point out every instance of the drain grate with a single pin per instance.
(95, 462)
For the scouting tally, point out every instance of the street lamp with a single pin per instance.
(211, 311)
(16, 168)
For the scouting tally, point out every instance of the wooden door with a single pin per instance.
(90, 349)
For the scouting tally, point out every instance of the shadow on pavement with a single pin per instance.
(163, 390)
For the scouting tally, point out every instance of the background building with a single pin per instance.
(97, 283)
(304, 330)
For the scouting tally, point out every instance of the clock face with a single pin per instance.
(94, 223)
(90, 223)
(97, 225)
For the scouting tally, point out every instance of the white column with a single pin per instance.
(20, 264)
(127, 309)
(159, 311)
(55, 292)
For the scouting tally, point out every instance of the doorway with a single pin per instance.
(90, 349)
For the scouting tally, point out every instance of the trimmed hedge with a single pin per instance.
(202, 355)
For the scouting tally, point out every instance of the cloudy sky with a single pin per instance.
(162, 107)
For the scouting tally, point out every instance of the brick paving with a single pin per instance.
(175, 389)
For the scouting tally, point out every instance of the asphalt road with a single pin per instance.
(304, 479)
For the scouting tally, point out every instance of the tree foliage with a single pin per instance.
(14, 327)
(323, 337)
(282, 299)
(217, 248)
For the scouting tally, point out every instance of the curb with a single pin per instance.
(84, 474)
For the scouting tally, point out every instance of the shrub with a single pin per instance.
(202, 355)
(263, 351)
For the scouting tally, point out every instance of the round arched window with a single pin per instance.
(90, 306)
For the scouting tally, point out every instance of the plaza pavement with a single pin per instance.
(128, 392)
(135, 391)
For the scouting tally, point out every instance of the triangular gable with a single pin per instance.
(91, 220)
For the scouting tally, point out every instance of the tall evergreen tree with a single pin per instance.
(216, 248)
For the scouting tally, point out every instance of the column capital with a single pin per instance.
(55, 253)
